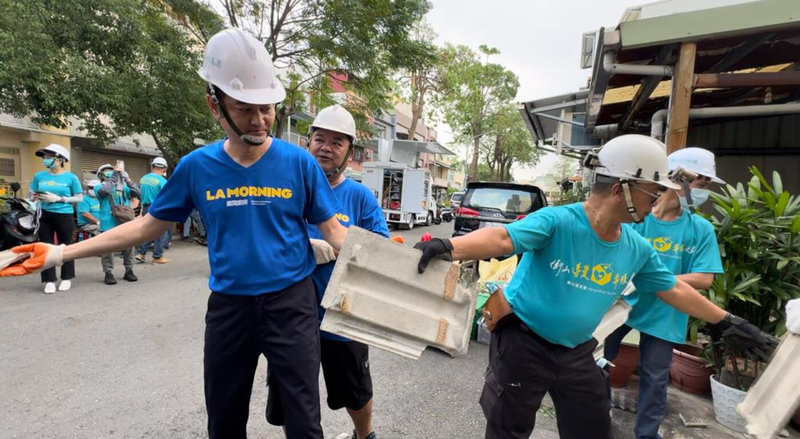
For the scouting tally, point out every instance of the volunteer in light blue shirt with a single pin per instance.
(345, 363)
(687, 245)
(89, 208)
(150, 185)
(115, 188)
(576, 262)
(57, 190)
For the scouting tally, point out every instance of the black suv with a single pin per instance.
(491, 204)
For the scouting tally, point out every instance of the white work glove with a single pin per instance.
(323, 252)
(49, 197)
(793, 316)
(42, 257)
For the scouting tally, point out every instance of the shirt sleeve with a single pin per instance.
(706, 258)
(76, 185)
(534, 231)
(372, 218)
(654, 275)
(35, 183)
(174, 203)
(321, 202)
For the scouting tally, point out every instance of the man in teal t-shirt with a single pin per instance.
(687, 245)
(89, 210)
(576, 261)
(150, 185)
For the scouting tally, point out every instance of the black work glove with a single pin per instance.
(744, 338)
(436, 247)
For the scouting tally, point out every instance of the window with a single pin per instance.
(358, 154)
(7, 167)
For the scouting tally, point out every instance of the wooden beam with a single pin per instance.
(681, 98)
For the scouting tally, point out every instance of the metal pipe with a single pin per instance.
(606, 131)
(633, 69)
(708, 80)
(657, 120)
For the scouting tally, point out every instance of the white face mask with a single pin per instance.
(699, 196)
(92, 194)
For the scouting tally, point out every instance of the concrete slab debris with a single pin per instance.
(376, 296)
(775, 396)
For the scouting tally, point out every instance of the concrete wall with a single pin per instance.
(26, 143)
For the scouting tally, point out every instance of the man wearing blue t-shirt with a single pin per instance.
(255, 194)
(687, 246)
(576, 261)
(345, 363)
(150, 185)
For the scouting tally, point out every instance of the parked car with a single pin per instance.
(455, 199)
(492, 204)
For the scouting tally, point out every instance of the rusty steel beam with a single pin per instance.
(732, 80)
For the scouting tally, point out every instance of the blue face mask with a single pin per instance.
(49, 162)
(108, 173)
(91, 193)
(699, 196)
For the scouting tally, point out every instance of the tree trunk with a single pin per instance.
(281, 123)
(171, 162)
(416, 105)
(473, 167)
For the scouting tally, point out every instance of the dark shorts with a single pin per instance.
(345, 366)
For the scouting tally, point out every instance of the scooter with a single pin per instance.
(19, 220)
(447, 214)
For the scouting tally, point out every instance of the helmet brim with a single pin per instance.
(263, 96)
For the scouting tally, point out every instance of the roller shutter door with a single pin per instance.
(91, 159)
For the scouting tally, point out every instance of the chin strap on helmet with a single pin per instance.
(246, 138)
(626, 191)
(342, 166)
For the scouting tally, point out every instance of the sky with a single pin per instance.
(539, 40)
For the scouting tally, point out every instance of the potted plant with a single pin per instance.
(758, 230)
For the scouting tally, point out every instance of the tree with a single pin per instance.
(120, 66)
(509, 143)
(421, 77)
(364, 43)
(472, 93)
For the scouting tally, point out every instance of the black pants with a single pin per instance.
(63, 226)
(523, 367)
(282, 326)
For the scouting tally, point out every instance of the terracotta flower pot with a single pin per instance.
(624, 365)
(688, 371)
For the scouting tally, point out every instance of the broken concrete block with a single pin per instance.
(615, 317)
(376, 296)
(775, 396)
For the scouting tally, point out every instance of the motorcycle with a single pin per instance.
(446, 214)
(19, 220)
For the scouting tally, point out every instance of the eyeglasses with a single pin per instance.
(654, 196)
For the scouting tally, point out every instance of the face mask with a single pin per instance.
(92, 194)
(49, 162)
(699, 196)
(108, 174)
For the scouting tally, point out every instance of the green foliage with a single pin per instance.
(508, 142)
(472, 94)
(576, 194)
(757, 230)
(367, 40)
(121, 66)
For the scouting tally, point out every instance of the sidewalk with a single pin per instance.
(678, 402)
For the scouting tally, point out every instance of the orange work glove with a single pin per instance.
(398, 239)
(43, 256)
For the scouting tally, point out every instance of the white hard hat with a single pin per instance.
(239, 65)
(336, 118)
(635, 157)
(103, 168)
(159, 162)
(92, 183)
(698, 160)
(56, 149)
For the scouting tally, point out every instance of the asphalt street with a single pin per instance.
(125, 361)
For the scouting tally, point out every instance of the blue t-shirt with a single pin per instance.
(150, 185)
(121, 197)
(685, 245)
(255, 217)
(359, 208)
(568, 277)
(91, 205)
(65, 184)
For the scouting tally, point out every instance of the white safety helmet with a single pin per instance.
(103, 168)
(56, 149)
(697, 160)
(635, 157)
(159, 162)
(92, 183)
(239, 65)
(336, 118)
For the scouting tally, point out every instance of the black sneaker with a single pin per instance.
(129, 276)
(110, 279)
